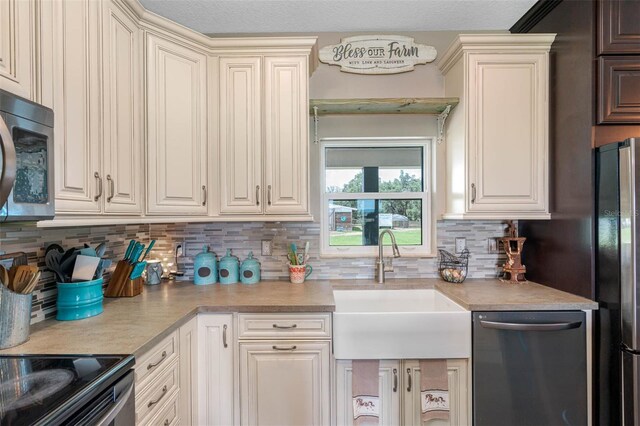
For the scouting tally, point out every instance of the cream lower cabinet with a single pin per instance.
(263, 110)
(285, 362)
(399, 390)
(18, 47)
(215, 370)
(497, 137)
(177, 161)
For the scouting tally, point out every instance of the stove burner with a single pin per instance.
(32, 388)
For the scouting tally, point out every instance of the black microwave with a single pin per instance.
(26, 160)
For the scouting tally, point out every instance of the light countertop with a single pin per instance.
(134, 325)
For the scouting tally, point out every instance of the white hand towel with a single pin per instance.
(364, 388)
(434, 389)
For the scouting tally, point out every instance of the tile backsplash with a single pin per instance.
(27, 238)
(245, 237)
(242, 238)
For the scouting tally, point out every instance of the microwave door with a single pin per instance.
(7, 162)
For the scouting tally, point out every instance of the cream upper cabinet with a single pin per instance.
(284, 382)
(79, 183)
(240, 112)
(17, 47)
(286, 155)
(215, 371)
(399, 391)
(263, 135)
(122, 112)
(176, 82)
(497, 137)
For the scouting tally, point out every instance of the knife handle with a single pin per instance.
(127, 253)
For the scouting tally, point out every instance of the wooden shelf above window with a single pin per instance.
(430, 106)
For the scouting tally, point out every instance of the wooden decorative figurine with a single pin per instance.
(513, 269)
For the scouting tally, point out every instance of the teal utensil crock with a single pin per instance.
(79, 300)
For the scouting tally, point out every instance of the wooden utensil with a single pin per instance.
(4, 276)
(31, 285)
(22, 276)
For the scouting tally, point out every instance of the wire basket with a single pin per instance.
(453, 268)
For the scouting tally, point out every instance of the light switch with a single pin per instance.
(267, 247)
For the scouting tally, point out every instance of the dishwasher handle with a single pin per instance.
(516, 326)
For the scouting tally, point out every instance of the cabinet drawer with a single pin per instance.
(152, 398)
(156, 359)
(619, 89)
(286, 326)
(168, 414)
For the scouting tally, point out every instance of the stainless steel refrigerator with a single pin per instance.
(617, 328)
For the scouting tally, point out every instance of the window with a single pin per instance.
(372, 185)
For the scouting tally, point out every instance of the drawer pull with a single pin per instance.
(224, 335)
(155, 364)
(285, 327)
(290, 348)
(395, 380)
(164, 392)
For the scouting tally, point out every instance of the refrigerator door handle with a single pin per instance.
(556, 326)
(7, 163)
(628, 241)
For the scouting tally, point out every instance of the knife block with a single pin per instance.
(120, 285)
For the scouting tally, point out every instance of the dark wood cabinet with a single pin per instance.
(618, 27)
(618, 89)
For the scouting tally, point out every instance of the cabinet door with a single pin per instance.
(215, 370)
(618, 28)
(79, 182)
(122, 161)
(286, 134)
(188, 356)
(176, 127)
(389, 390)
(240, 135)
(17, 47)
(507, 115)
(619, 89)
(458, 371)
(285, 382)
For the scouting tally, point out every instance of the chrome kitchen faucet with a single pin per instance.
(380, 262)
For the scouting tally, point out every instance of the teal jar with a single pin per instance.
(228, 270)
(205, 270)
(79, 300)
(250, 270)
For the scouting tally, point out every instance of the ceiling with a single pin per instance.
(313, 16)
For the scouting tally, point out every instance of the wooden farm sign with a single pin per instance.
(389, 54)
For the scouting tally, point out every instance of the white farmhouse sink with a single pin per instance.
(399, 324)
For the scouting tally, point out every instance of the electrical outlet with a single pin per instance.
(179, 248)
(461, 244)
(492, 245)
(267, 247)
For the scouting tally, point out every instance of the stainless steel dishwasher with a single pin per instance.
(529, 368)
